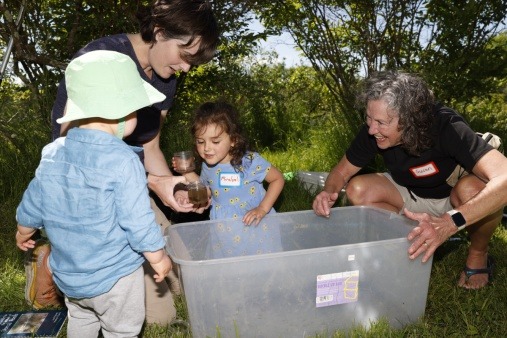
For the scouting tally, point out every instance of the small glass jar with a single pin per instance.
(197, 193)
(184, 162)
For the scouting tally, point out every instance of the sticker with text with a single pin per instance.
(230, 180)
(337, 288)
(425, 170)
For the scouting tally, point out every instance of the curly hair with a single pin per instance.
(180, 19)
(409, 97)
(226, 117)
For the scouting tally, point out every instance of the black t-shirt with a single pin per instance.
(148, 118)
(454, 142)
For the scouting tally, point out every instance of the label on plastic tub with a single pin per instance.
(337, 288)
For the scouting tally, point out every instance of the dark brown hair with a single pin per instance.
(226, 117)
(180, 19)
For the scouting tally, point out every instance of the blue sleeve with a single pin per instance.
(135, 215)
(259, 168)
(29, 213)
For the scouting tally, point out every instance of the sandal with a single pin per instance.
(490, 264)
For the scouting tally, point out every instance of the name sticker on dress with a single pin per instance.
(230, 180)
(424, 170)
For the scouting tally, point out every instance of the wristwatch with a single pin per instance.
(458, 219)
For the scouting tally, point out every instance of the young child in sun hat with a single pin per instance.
(90, 196)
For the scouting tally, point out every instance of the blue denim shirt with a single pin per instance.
(90, 195)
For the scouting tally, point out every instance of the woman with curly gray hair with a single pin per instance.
(422, 143)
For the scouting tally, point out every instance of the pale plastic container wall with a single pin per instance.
(232, 291)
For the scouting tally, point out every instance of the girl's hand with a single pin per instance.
(181, 196)
(199, 208)
(254, 216)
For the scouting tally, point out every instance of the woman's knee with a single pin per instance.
(374, 190)
(356, 190)
(465, 189)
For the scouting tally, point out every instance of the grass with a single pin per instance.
(450, 311)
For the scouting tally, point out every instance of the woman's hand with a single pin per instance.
(323, 202)
(163, 186)
(181, 196)
(429, 234)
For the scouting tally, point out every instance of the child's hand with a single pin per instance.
(161, 268)
(199, 208)
(254, 216)
(24, 242)
(181, 197)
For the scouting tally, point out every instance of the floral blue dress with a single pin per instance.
(233, 194)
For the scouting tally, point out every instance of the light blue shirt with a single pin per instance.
(90, 195)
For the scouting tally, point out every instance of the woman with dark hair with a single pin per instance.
(422, 143)
(174, 36)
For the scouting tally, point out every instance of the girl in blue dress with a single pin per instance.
(234, 174)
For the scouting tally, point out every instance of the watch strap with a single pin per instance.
(458, 219)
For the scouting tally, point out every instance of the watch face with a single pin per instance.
(458, 219)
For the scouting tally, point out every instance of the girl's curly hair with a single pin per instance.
(225, 117)
(409, 97)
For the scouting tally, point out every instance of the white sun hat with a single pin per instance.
(105, 84)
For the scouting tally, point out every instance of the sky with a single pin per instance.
(284, 46)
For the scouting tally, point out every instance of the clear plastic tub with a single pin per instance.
(297, 274)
